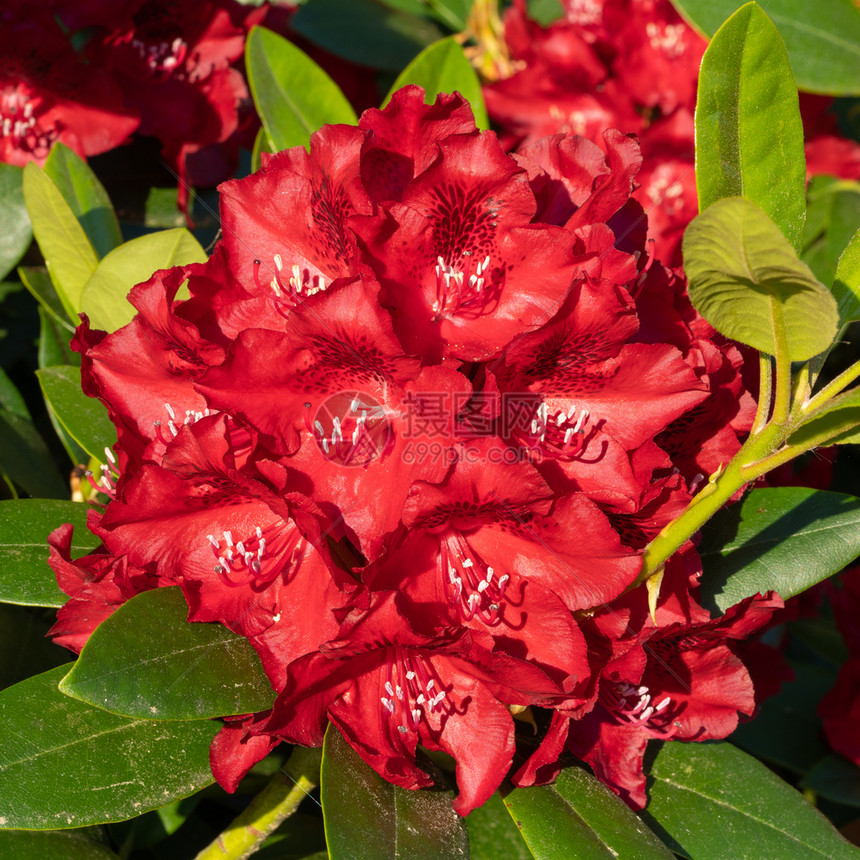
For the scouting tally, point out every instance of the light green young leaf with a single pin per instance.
(69, 256)
(749, 135)
(746, 279)
(104, 297)
(86, 196)
(443, 68)
(293, 95)
(846, 283)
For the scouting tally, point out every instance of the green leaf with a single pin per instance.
(24, 644)
(784, 539)
(832, 219)
(579, 817)
(38, 284)
(835, 778)
(16, 233)
(261, 145)
(41, 845)
(361, 809)
(365, 32)
(66, 764)
(69, 256)
(545, 12)
(147, 661)
(104, 296)
(452, 13)
(838, 423)
(86, 196)
(490, 827)
(846, 283)
(25, 458)
(10, 397)
(84, 418)
(749, 135)
(714, 801)
(823, 39)
(786, 729)
(24, 528)
(293, 95)
(747, 281)
(54, 350)
(443, 68)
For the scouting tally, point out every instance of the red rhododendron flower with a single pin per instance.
(48, 94)
(409, 435)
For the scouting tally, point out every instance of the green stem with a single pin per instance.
(833, 388)
(782, 384)
(765, 393)
(277, 801)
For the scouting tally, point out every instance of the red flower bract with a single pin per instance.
(409, 435)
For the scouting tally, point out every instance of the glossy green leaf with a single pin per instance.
(578, 817)
(24, 528)
(784, 539)
(749, 136)
(443, 68)
(835, 778)
(837, 424)
(364, 813)
(38, 284)
(26, 648)
(614, 823)
(25, 458)
(104, 297)
(365, 32)
(16, 233)
(786, 730)
(490, 826)
(86, 196)
(846, 283)
(293, 95)
(54, 350)
(712, 801)
(823, 39)
(746, 280)
(69, 256)
(147, 661)
(84, 418)
(66, 764)
(47, 845)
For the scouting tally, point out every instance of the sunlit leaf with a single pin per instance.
(745, 279)
(749, 135)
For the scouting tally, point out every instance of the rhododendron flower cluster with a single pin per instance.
(633, 65)
(409, 433)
